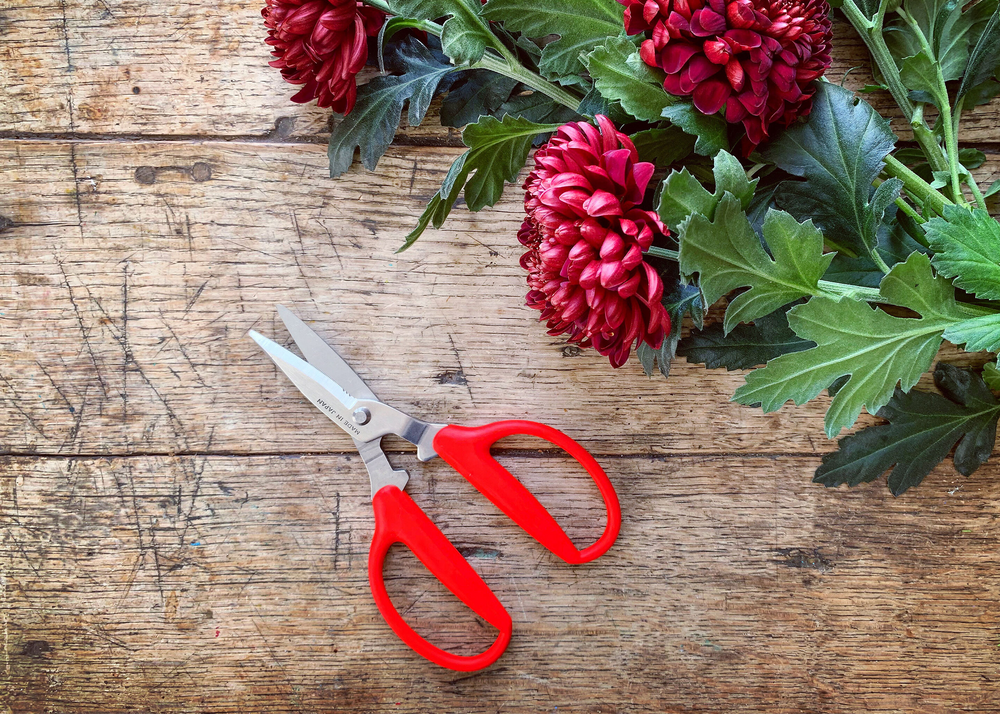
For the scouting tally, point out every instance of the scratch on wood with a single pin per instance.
(193, 300)
(83, 330)
(461, 370)
(16, 403)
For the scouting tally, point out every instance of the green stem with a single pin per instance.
(856, 292)
(663, 253)
(916, 186)
(980, 199)
(906, 208)
(879, 263)
(513, 69)
(383, 6)
(506, 65)
(928, 142)
(949, 128)
(870, 32)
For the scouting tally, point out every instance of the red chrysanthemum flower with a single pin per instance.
(321, 44)
(586, 234)
(753, 58)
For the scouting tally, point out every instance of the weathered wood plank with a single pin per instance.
(222, 584)
(110, 67)
(126, 301)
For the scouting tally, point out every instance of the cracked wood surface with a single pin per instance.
(183, 533)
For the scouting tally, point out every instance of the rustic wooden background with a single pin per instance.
(181, 532)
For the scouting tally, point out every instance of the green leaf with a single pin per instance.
(913, 285)
(497, 152)
(991, 375)
(478, 93)
(465, 35)
(947, 29)
(839, 152)
(682, 194)
(747, 346)
(620, 75)
(984, 58)
(967, 247)
(663, 146)
(922, 429)
(977, 333)
(580, 24)
(711, 131)
(538, 108)
(372, 123)
(727, 254)
(878, 350)
(683, 299)
(981, 94)
(919, 73)
(868, 7)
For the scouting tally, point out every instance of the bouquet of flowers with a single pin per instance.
(691, 152)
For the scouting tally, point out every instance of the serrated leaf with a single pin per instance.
(465, 35)
(620, 75)
(580, 24)
(497, 152)
(922, 429)
(747, 346)
(372, 123)
(477, 93)
(839, 152)
(878, 350)
(727, 254)
(594, 103)
(682, 194)
(662, 146)
(912, 284)
(977, 333)
(711, 131)
(683, 299)
(895, 245)
(967, 247)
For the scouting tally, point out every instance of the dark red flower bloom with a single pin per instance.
(321, 44)
(586, 234)
(755, 59)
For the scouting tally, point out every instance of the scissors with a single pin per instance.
(335, 389)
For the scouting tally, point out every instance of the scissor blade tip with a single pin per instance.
(258, 338)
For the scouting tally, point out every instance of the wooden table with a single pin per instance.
(181, 532)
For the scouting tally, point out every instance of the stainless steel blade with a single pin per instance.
(325, 394)
(364, 419)
(323, 357)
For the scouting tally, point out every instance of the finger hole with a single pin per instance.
(432, 610)
(560, 483)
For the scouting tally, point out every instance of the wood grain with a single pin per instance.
(201, 70)
(181, 532)
(127, 305)
(228, 584)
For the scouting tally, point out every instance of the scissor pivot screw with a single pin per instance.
(362, 416)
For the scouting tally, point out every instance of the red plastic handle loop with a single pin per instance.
(399, 520)
(467, 449)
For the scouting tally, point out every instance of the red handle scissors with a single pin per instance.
(333, 387)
